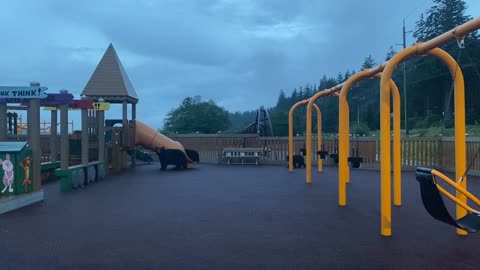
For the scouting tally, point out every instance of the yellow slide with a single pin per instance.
(151, 139)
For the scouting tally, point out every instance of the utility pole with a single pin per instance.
(405, 81)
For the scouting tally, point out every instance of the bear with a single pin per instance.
(298, 161)
(193, 155)
(171, 157)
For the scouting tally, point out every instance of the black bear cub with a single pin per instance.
(298, 161)
(171, 157)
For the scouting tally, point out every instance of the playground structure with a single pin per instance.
(344, 130)
(433, 202)
(386, 85)
(124, 139)
(110, 83)
(17, 126)
(308, 161)
(152, 139)
(32, 98)
(319, 135)
(459, 97)
(262, 125)
(28, 151)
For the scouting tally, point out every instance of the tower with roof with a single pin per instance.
(110, 83)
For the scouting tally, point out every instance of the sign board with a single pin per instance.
(23, 92)
(55, 99)
(96, 106)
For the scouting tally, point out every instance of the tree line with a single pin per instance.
(429, 87)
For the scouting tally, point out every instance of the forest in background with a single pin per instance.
(429, 85)
(428, 82)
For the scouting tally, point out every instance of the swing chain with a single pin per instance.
(469, 166)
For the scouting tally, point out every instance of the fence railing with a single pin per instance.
(437, 152)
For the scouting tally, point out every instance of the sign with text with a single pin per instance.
(23, 92)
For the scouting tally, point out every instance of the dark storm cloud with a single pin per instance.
(238, 52)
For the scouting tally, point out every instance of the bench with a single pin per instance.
(242, 155)
(48, 170)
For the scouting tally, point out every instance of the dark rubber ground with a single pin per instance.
(230, 217)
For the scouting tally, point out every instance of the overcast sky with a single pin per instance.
(239, 53)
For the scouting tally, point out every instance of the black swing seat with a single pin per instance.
(433, 203)
(322, 154)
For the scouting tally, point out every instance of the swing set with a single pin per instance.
(467, 219)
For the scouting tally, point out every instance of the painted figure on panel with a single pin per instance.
(7, 167)
(26, 167)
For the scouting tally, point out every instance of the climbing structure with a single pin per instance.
(262, 125)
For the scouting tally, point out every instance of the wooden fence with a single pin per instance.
(429, 152)
(437, 152)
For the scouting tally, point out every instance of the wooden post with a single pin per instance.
(53, 136)
(125, 132)
(132, 138)
(101, 135)
(34, 139)
(64, 144)
(84, 137)
(3, 122)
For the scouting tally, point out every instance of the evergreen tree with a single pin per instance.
(308, 92)
(340, 78)
(294, 95)
(368, 63)
(429, 84)
(390, 53)
(282, 102)
(347, 75)
(300, 94)
(443, 16)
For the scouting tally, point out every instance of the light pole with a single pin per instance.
(404, 44)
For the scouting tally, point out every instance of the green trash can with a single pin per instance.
(16, 169)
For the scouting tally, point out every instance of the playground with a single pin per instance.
(106, 196)
(224, 217)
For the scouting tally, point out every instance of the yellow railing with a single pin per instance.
(458, 188)
(44, 126)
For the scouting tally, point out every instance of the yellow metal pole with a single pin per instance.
(290, 133)
(397, 152)
(343, 136)
(308, 161)
(385, 159)
(319, 137)
(460, 141)
(460, 144)
(460, 157)
(344, 131)
(397, 158)
(308, 139)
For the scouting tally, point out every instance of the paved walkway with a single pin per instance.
(220, 217)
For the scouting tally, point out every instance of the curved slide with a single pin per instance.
(151, 139)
